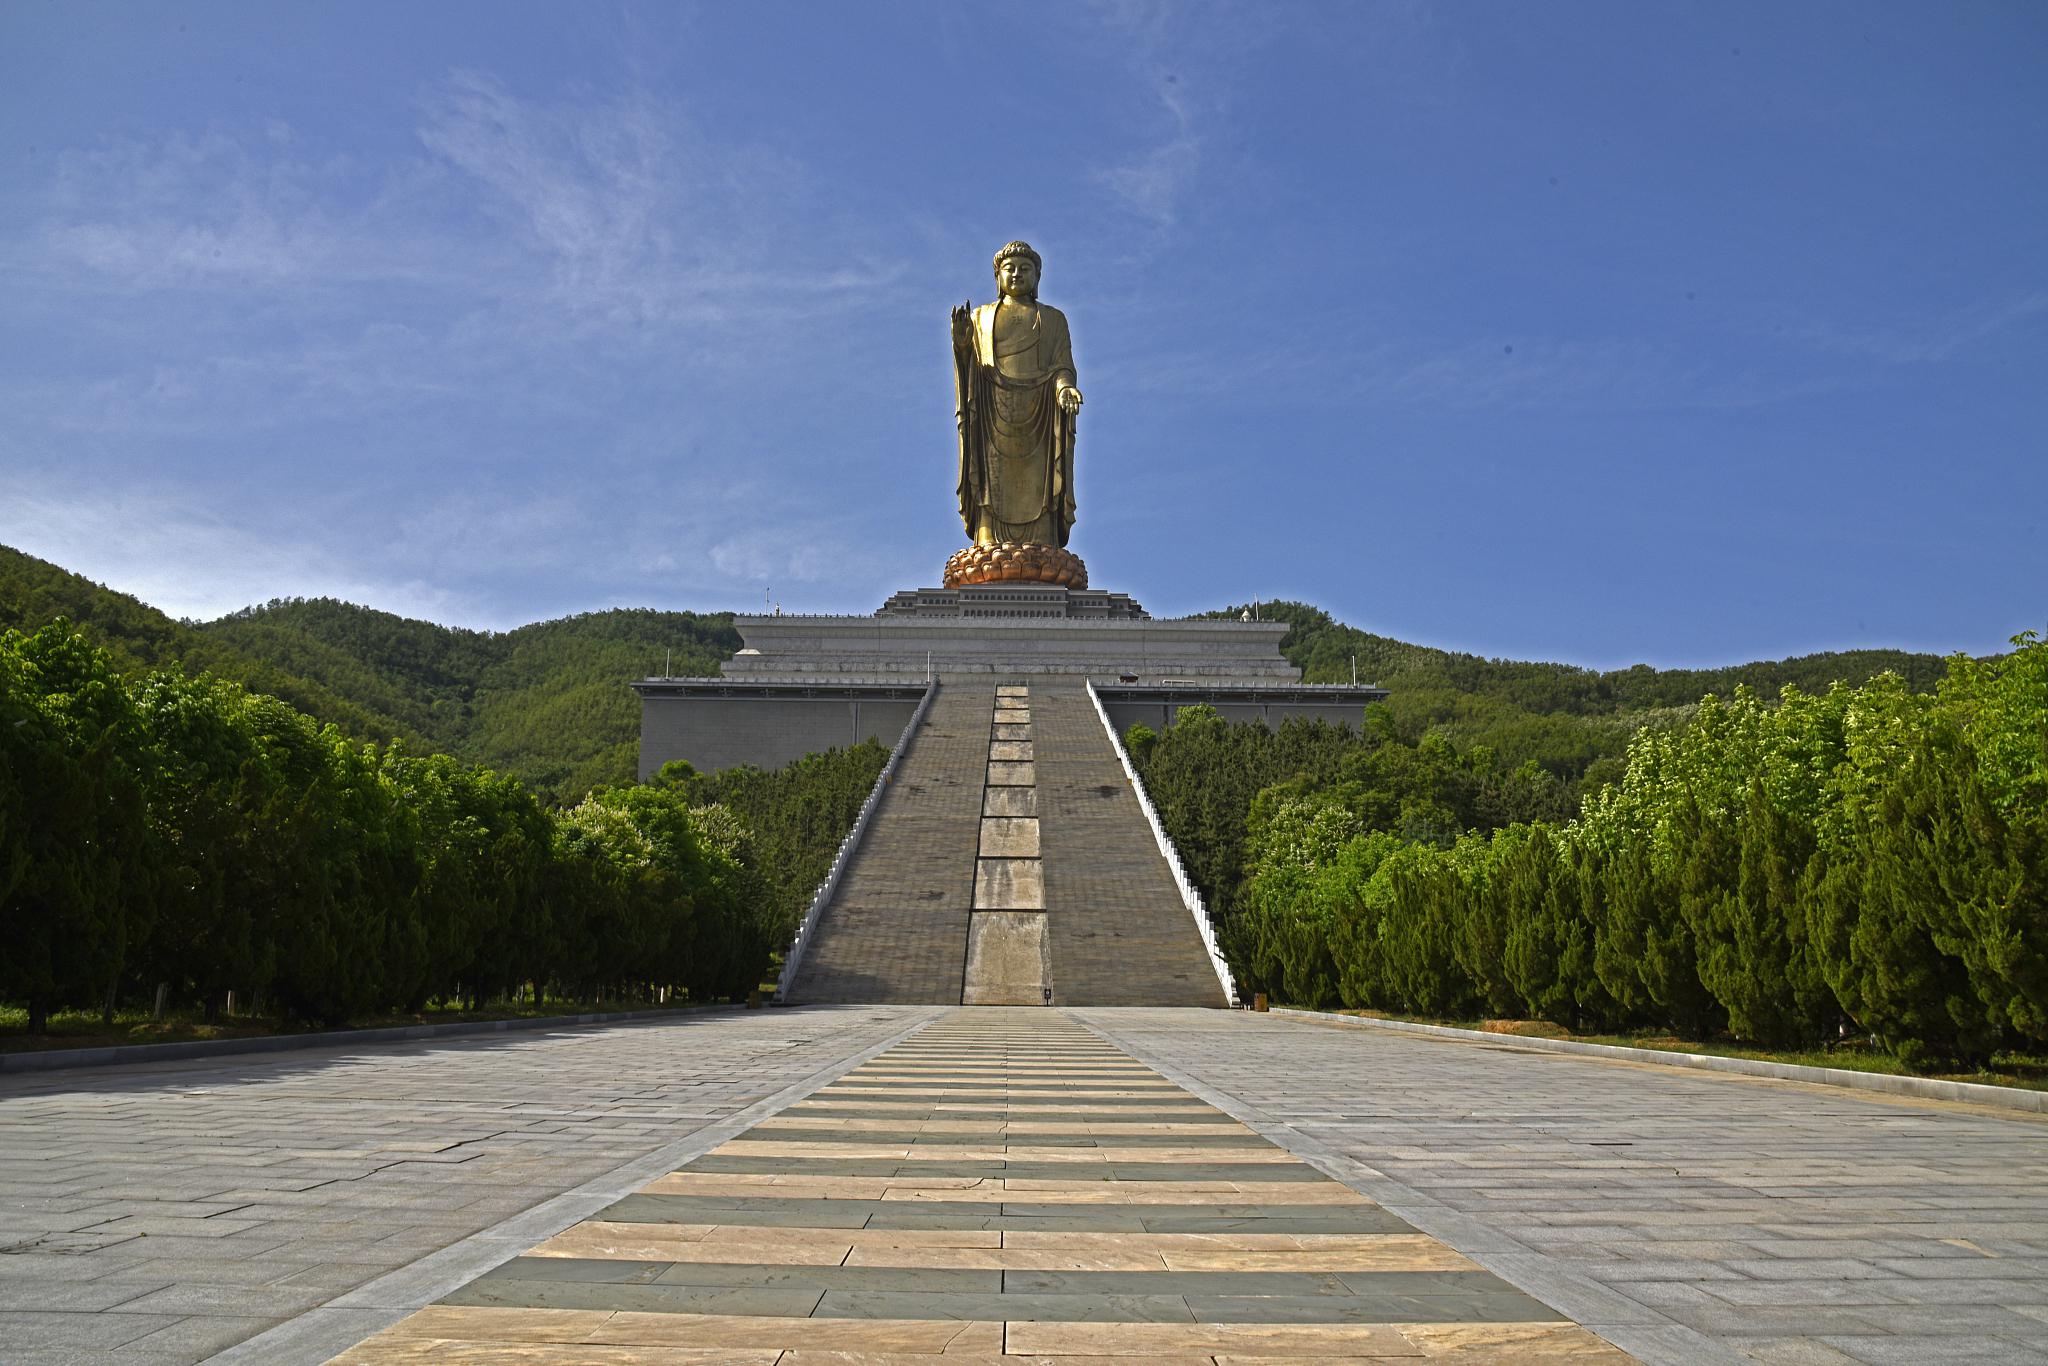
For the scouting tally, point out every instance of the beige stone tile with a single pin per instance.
(1511, 1344)
(920, 1336)
(1005, 1259)
(901, 1237)
(1035, 1188)
(1009, 837)
(569, 1243)
(1011, 775)
(1417, 1253)
(1009, 884)
(809, 1358)
(1169, 1243)
(1009, 801)
(1295, 1194)
(469, 1323)
(771, 1147)
(1368, 1340)
(379, 1351)
(1055, 1097)
(1263, 1157)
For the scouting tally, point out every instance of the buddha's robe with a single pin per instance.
(1016, 443)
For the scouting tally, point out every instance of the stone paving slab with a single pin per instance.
(769, 1243)
(1687, 1215)
(164, 1211)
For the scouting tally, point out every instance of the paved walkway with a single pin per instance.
(162, 1211)
(1692, 1216)
(1002, 1186)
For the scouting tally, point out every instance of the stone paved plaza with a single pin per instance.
(160, 1212)
(1785, 1221)
(1031, 1183)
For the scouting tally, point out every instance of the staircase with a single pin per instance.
(896, 932)
(1121, 935)
(1065, 862)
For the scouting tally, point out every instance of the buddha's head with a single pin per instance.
(1017, 267)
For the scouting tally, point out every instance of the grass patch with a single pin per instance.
(2026, 1071)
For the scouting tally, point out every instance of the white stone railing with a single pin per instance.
(1189, 896)
(823, 896)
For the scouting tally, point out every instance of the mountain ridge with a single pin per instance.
(547, 702)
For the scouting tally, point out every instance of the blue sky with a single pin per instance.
(1606, 333)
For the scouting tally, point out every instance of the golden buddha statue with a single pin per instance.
(1013, 372)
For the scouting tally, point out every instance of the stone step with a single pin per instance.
(1121, 935)
(1010, 803)
(896, 932)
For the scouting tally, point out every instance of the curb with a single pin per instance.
(1917, 1088)
(54, 1059)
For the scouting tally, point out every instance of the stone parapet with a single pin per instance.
(1013, 600)
(890, 647)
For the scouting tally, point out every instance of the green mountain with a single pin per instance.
(547, 703)
(1573, 722)
(35, 592)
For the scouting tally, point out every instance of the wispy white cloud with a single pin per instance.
(194, 561)
(1177, 82)
(1940, 337)
(1153, 182)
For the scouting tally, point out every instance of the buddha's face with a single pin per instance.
(1017, 277)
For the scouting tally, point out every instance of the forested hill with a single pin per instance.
(35, 592)
(547, 703)
(1575, 722)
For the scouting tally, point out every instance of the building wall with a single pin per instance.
(767, 732)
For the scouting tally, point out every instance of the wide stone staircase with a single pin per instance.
(1121, 935)
(896, 932)
(1009, 858)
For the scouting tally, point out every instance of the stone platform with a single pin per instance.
(1010, 642)
(804, 684)
(1014, 600)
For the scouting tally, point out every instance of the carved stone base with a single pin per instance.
(1015, 562)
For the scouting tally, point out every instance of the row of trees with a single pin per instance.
(1867, 861)
(798, 814)
(169, 829)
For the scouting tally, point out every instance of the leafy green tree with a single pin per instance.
(208, 789)
(1425, 891)
(74, 855)
(795, 819)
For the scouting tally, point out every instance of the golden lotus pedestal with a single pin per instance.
(1015, 562)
